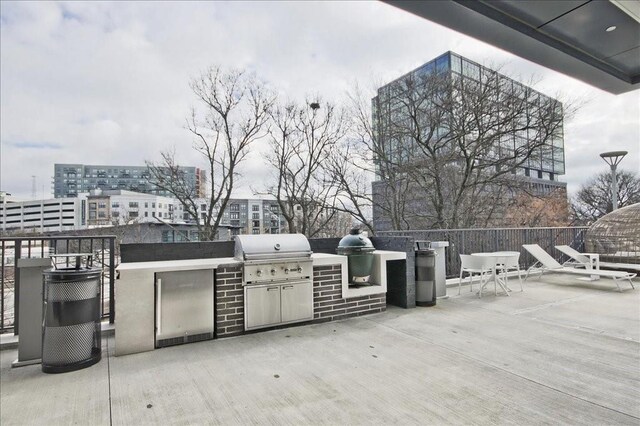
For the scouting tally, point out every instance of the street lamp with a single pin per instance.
(613, 158)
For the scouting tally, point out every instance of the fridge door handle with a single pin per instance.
(159, 306)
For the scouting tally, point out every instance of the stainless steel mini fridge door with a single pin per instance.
(184, 304)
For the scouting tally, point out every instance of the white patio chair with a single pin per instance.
(511, 263)
(472, 265)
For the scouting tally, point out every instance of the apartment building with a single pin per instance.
(108, 208)
(69, 180)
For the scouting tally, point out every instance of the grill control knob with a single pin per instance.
(259, 272)
(273, 271)
(286, 270)
(299, 270)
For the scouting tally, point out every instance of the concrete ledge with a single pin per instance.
(10, 341)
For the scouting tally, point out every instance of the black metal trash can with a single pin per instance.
(425, 274)
(71, 337)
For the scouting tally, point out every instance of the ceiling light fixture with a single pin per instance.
(611, 28)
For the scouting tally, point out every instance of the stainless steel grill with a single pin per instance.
(274, 257)
(277, 278)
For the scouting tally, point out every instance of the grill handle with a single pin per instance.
(280, 257)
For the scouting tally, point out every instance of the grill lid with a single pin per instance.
(271, 246)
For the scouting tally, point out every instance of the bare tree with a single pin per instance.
(359, 160)
(302, 138)
(350, 169)
(235, 114)
(458, 142)
(593, 200)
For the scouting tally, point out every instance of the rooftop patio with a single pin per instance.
(564, 351)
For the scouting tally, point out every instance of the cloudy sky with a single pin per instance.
(107, 83)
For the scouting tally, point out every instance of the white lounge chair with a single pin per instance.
(579, 259)
(548, 263)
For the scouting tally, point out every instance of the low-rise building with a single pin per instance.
(107, 208)
(97, 209)
(58, 214)
(252, 216)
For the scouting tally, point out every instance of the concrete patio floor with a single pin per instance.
(562, 352)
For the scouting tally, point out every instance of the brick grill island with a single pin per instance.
(328, 303)
(332, 297)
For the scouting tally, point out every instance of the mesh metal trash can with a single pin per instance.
(71, 337)
(425, 274)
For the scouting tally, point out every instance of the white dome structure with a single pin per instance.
(616, 236)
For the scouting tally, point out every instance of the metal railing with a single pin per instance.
(14, 248)
(466, 241)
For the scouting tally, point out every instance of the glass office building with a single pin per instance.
(542, 168)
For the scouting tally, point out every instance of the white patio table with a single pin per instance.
(497, 258)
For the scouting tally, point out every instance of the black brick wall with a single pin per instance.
(328, 303)
(229, 301)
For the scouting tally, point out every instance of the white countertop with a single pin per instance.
(322, 259)
(319, 259)
(178, 265)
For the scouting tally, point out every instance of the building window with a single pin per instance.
(255, 231)
(92, 206)
(235, 215)
(167, 236)
(146, 205)
(234, 207)
(203, 207)
(255, 208)
(133, 204)
(133, 214)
